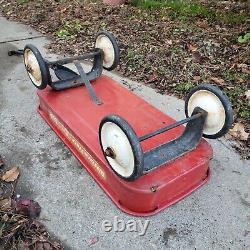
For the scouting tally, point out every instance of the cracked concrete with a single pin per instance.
(217, 216)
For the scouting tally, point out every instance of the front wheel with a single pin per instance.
(121, 147)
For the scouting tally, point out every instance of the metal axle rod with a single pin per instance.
(174, 125)
(15, 52)
(75, 58)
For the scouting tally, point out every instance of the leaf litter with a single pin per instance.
(171, 54)
(20, 227)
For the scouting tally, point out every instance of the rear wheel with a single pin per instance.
(108, 44)
(219, 111)
(36, 67)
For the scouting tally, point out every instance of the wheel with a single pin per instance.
(220, 115)
(36, 67)
(121, 147)
(107, 42)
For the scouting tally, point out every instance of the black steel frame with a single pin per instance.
(179, 146)
(152, 158)
(164, 153)
(69, 78)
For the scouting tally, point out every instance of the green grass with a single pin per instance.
(177, 8)
(184, 9)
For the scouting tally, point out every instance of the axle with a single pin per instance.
(174, 125)
(89, 55)
(15, 52)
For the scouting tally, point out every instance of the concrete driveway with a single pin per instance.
(217, 216)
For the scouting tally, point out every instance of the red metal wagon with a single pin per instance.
(142, 158)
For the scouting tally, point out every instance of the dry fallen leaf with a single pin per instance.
(244, 68)
(240, 80)
(63, 10)
(218, 81)
(192, 47)
(235, 46)
(11, 175)
(232, 67)
(242, 65)
(169, 42)
(238, 131)
(196, 78)
(197, 57)
(5, 204)
(202, 23)
(152, 78)
(247, 94)
(86, 23)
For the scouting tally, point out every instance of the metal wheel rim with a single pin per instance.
(103, 42)
(33, 67)
(212, 104)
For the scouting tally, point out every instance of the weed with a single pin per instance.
(132, 55)
(69, 29)
(184, 88)
(23, 1)
(235, 76)
(244, 38)
(236, 96)
(136, 59)
(230, 18)
(103, 25)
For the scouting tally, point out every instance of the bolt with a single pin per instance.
(29, 69)
(109, 152)
(153, 189)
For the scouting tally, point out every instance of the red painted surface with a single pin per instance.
(74, 110)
